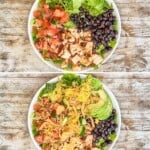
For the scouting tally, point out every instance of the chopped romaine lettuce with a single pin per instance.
(48, 88)
(96, 7)
(68, 79)
(69, 24)
(112, 43)
(34, 131)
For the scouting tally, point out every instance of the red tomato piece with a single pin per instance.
(41, 33)
(55, 134)
(45, 24)
(64, 18)
(39, 45)
(36, 13)
(37, 107)
(58, 13)
(39, 139)
(51, 32)
(38, 22)
(54, 41)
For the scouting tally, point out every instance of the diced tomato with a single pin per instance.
(64, 18)
(52, 26)
(41, 33)
(55, 105)
(47, 55)
(54, 41)
(45, 6)
(57, 13)
(42, 45)
(51, 32)
(45, 24)
(55, 134)
(38, 22)
(37, 107)
(36, 13)
(39, 139)
(39, 45)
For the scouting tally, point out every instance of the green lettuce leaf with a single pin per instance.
(68, 79)
(48, 88)
(96, 7)
(69, 24)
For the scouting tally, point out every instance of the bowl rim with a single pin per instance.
(51, 64)
(57, 78)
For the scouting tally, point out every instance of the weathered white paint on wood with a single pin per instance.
(16, 93)
(133, 53)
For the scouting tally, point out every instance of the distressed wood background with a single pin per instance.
(131, 91)
(133, 53)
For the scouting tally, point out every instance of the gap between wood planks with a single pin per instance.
(104, 75)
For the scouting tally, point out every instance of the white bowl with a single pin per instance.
(108, 91)
(57, 67)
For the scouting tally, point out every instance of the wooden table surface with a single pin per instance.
(131, 91)
(133, 53)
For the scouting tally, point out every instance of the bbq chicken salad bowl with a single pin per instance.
(74, 112)
(74, 35)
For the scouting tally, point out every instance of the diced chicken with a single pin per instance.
(87, 34)
(76, 49)
(64, 64)
(65, 42)
(76, 68)
(37, 107)
(76, 59)
(95, 148)
(88, 140)
(75, 33)
(86, 61)
(66, 54)
(61, 53)
(97, 59)
(89, 48)
(60, 109)
(72, 40)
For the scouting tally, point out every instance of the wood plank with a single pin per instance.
(132, 94)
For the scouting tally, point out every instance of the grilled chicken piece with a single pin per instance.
(76, 59)
(88, 141)
(89, 48)
(76, 68)
(76, 49)
(64, 64)
(94, 148)
(86, 61)
(60, 109)
(97, 59)
(66, 54)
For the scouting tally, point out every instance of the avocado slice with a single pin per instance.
(99, 111)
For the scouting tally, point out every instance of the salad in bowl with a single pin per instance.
(76, 35)
(74, 112)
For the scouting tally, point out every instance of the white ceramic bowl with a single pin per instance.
(57, 67)
(112, 97)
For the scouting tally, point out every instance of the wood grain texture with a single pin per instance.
(16, 93)
(132, 54)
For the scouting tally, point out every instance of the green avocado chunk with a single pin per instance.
(101, 112)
